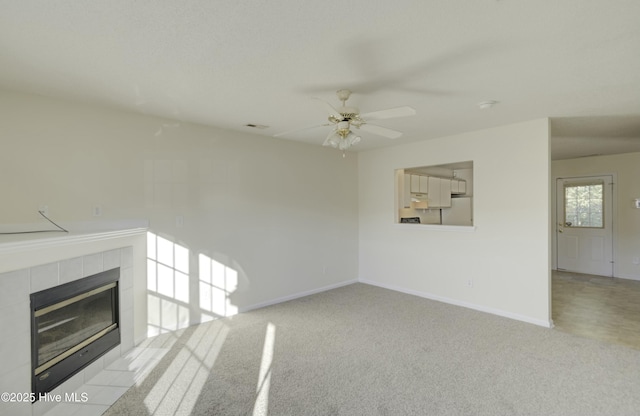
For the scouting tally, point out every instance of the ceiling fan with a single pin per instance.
(346, 118)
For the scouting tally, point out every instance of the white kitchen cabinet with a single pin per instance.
(419, 184)
(439, 192)
(434, 194)
(445, 193)
(406, 194)
(454, 186)
(462, 187)
(424, 184)
(458, 186)
(415, 183)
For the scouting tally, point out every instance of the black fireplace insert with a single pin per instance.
(72, 325)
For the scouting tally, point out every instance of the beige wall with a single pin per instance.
(279, 216)
(626, 234)
(506, 256)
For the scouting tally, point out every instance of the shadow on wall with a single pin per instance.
(173, 301)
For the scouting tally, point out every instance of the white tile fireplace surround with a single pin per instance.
(35, 263)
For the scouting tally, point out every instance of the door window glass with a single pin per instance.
(583, 205)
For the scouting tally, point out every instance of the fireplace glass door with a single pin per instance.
(73, 325)
(69, 325)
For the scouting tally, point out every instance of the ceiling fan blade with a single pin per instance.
(329, 108)
(381, 131)
(389, 113)
(286, 133)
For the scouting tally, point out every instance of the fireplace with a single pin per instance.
(72, 325)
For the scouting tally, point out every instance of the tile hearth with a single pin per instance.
(105, 388)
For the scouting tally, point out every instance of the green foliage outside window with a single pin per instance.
(584, 205)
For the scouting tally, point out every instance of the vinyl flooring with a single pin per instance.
(597, 307)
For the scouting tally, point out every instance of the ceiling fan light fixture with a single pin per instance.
(352, 139)
(333, 141)
(344, 144)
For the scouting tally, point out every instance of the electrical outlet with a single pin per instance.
(179, 221)
(636, 260)
(97, 211)
(469, 282)
(44, 209)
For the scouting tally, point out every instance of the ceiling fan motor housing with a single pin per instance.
(349, 113)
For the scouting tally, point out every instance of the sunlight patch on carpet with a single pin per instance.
(177, 391)
(261, 406)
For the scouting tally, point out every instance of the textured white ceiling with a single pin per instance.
(229, 63)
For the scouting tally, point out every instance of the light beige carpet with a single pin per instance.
(363, 350)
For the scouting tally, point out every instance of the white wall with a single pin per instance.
(280, 216)
(506, 257)
(287, 218)
(626, 233)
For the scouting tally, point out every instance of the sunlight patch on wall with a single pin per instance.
(167, 285)
(217, 283)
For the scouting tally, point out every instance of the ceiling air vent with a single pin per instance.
(256, 126)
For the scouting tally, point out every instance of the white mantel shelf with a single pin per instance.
(19, 251)
(26, 242)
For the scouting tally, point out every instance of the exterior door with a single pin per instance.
(584, 228)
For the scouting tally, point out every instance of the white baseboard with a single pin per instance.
(628, 277)
(296, 296)
(499, 312)
(615, 275)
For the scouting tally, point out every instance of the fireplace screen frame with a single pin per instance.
(56, 370)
